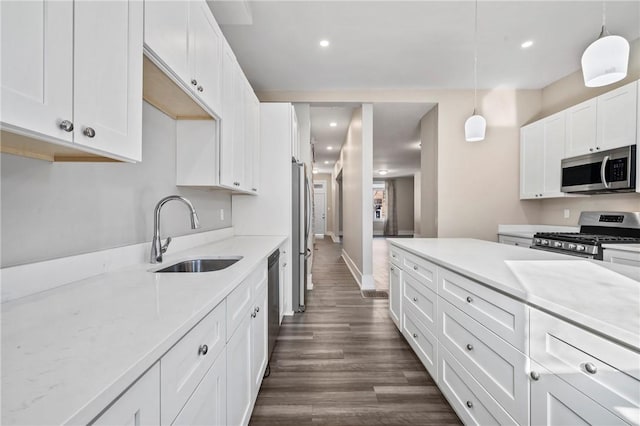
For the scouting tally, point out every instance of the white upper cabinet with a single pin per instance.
(542, 147)
(581, 128)
(617, 117)
(606, 122)
(108, 86)
(185, 38)
(37, 66)
(72, 75)
(229, 100)
(252, 140)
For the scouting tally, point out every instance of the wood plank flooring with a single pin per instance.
(343, 362)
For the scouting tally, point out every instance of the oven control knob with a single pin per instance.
(545, 242)
(537, 241)
(572, 246)
(557, 244)
(579, 247)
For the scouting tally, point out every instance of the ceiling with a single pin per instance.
(408, 45)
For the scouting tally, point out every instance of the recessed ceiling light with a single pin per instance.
(329, 148)
(333, 124)
(324, 43)
(382, 172)
(326, 162)
(315, 171)
(527, 44)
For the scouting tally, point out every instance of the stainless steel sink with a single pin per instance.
(201, 265)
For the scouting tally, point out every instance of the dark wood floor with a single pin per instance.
(343, 362)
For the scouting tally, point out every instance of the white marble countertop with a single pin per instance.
(602, 297)
(527, 231)
(68, 352)
(634, 248)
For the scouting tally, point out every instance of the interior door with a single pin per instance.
(319, 213)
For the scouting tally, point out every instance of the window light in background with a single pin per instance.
(475, 127)
(605, 61)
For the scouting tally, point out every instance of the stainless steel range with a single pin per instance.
(596, 228)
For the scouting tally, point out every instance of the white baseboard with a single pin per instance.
(288, 314)
(333, 236)
(319, 236)
(310, 282)
(365, 282)
(23, 280)
(368, 283)
(405, 232)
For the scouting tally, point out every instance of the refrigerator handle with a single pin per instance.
(308, 201)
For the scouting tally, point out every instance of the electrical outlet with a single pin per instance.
(221, 214)
(567, 213)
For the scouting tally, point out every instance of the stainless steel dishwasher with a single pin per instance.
(274, 299)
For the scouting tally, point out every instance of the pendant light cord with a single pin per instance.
(475, 60)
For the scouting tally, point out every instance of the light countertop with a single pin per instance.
(633, 248)
(600, 296)
(70, 351)
(527, 231)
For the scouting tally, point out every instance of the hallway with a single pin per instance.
(343, 362)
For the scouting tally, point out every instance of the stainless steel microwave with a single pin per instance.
(601, 172)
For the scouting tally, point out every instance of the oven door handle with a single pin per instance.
(603, 177)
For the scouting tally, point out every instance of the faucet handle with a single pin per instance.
(165, 246)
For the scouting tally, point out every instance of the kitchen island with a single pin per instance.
(503, 329)
(70, 352)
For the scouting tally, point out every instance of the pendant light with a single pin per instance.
(476, 125)
(605, 61)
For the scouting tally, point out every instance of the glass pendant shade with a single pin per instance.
(605, 61)
(474, 128)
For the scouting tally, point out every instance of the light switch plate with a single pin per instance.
(221, 214)
(567, 213)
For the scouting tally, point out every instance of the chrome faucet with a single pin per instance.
(157, 248)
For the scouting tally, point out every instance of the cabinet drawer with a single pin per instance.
(423, 270)
(607, 372)
(470, 400)
(554, 401)
(423, 300)
(514, 241)
(238, 306)
(506, 317)
(496, 365)
(186, 363)
(395, 255)
(423, 342)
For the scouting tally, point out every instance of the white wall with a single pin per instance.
(52, 210)
(417, 201)
(357, 175)
(429, 174)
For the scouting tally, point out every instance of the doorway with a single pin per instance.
(320, 208)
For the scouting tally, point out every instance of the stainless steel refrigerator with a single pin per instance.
(301, 219)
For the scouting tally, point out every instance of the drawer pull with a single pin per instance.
(469, 347)
(535, 375)
(415, 336)
(469, 404)
(415, 268)
(203, 349)
(415, 299)
(591, 369)
(253, 314)
(257, 308)
(469, 299)
(393, 255)
(392, 269)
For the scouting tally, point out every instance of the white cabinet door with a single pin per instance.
(395, 295)
(166, 34)
(240, 88)
(555, 402)
(617, 117)
(581, 129)
(531, 160)
(554, 141)
(37, 66)
(206, 43)
(107, 98)
(259, 336)
(208, 404)
(252, 139)
(239, 377)
(139, 405)
(229, 100)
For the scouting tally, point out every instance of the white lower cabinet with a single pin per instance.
(239, 377)
(555, 402)
(622, 257)
(423, 342)
(208, 404)
(139, 405)
(395, 295)
(259, 330)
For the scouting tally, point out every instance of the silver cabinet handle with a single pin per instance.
(591, 369)
(89, 132)
(469, 404)
(535, 375)
(200, 89)
(392, 269)
(257, 308)
(597, 148)
(415, 268)
(194, 82)
(469, 347)
(415, 299)
(469, 299)
(254, 189)
(66, 125)
(415, 335)
(284, 264)
(603, 177)
(203, 349)
(590, 149)
(253, 314)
